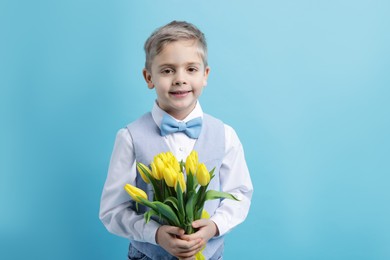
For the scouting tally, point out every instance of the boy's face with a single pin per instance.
(178, 75)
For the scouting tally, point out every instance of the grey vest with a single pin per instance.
(210, 146)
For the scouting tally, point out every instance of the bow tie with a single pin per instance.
(191, 128)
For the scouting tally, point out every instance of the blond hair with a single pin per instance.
(173, 31)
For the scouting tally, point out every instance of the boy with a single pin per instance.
(176, 67)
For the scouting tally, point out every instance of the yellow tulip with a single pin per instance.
(190, 167)
(172, 161)
(192, 163)
(155, 173)
(205, 214)
(169, 156)
(170, 176)
(135, 192)
(181, 181)
(175, 164)
(143, 176)
(195, 157)
(203, 175)
(159, 164)
(154, 170)
(163, 157)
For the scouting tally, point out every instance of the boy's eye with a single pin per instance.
(192, 69)
(167, 71)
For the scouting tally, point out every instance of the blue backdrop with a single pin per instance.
(304, 83)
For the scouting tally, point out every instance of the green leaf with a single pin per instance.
(200, 197)
(190, 207)
(149, 214)
(190, 182)
(180, 203)
(198, 213)
(173, 201)
(213, 194)
(167, 213)
(212, 174)
(147, 203)
(182, 165)
(155, 183)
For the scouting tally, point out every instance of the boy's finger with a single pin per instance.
(192, 237)
(188, 254)
(175, 231)
(190, 245)
(199, 223)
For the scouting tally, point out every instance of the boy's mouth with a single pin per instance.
(180, 93)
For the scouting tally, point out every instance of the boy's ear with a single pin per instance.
(148, 78)
(206, 75)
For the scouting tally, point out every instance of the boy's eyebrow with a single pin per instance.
(174, 65)
(194, 63)
(165, 65)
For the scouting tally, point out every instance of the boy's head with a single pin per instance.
(176, 67)
(174, 31)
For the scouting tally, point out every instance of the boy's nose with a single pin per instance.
(179, 79)
(179, 83)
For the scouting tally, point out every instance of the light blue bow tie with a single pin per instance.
(191, 128)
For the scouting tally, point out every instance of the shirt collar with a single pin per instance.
(158, 113)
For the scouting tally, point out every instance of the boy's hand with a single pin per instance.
(171, 239)
(207, 229)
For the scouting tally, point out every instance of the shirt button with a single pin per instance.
(181, 149)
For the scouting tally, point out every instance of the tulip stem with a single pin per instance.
(189, 229)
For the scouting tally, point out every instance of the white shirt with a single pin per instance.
(114, 206)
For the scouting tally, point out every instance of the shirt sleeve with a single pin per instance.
(235, 179)
(115, 211)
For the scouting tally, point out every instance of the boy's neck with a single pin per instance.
(177, 115)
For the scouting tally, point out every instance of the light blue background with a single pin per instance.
(304, 83)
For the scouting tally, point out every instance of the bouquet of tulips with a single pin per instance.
(180, 190)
